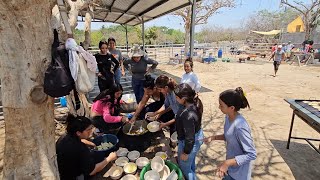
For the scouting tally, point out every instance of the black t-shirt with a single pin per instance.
(106, 63)
(74, 158)
(188, 123)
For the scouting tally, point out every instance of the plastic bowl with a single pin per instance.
(133, 155)
(116, 172)
(129, 177)
(122, 152)
(152, 175)
(149, 118)
(157, 164)
(122, 161)
(165, 172)
(163, 155)
(101, 154)
(171, 166)
(153, 126)
(174, 137)
(141, 162)
(130, 168)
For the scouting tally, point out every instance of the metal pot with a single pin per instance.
(139, 128)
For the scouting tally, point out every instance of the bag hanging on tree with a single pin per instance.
(86, 78)
(58, 81)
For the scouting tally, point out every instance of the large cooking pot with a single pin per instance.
(139, 128)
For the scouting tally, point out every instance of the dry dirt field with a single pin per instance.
(269, 117)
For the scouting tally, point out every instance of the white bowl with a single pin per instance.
(141, 162)
(133, 155)
(121, 161)
(130, 168)
(116, 172)
(122, 152)
(129, 177)
(165, 172)
(152, 175)
(163, 155)
(153, 126)
(174, 137)
(157, 164)
(147, 116)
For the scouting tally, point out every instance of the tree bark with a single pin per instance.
(25, 51)
(187, 25)
(87, 31)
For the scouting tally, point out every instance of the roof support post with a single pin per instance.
(142, 34)
(192, 27)
(127, 43)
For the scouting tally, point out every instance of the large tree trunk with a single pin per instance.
(187, 26)
(87, 30)
(26, 38)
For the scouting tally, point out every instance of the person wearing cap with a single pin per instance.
(116, 54)
(139, 67)
(277, 56)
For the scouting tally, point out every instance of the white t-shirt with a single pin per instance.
(191, 79)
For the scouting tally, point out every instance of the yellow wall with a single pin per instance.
(294, 25)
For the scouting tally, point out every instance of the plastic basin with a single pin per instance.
(171, 166)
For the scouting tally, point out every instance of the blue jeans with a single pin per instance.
(137, 86)
(189, 167)
(117, 75)
(227, 177)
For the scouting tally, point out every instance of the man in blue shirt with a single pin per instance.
(277, 56)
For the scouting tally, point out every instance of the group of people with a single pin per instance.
(176, 105)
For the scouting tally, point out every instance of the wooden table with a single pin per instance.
(308, 117)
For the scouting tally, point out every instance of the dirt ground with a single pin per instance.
(269, 117)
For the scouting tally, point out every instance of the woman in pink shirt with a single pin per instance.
(105, 110)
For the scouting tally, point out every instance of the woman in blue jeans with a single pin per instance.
(139, 67)
(188, 125)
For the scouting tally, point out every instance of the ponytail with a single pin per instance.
(162, 81)
(235, 98)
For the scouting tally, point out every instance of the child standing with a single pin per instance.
(237, 134)
(188, 125)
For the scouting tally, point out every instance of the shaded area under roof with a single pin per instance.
(130, 11)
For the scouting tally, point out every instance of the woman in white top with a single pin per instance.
(190, 77)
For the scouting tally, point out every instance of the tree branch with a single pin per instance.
(292, 6)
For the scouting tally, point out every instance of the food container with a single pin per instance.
(130, 168)
(133, 155)
(139, 128)
(141, 162)
(116, 172)
(152, 175)
(157, 164)
(129, 177)
(100, 154)
(122, 161)
(163, 155)
(147, 116)
(153, 126)
(164, 173)
(122, 152)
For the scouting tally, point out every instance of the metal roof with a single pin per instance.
(130, 11)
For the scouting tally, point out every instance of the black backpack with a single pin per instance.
(58, 81)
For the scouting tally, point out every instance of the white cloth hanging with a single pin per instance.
(91, 60)
(72, 48)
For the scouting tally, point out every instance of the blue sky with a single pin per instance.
(225, 18)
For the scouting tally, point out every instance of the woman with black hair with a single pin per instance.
(105, 110)
(150, 91)
(107, 65)
(75, 161)
(188, 125)
(237, 135)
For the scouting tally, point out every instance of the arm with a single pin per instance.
(107, 117)
(197, 83)
(115, 61)
(126, 63)
(215, 137)
(188, 119)
(89, 143)
(283, 57)
(272, 55)
(244, 137)
(99, 167)
(141, 105)
(153, 62)
(121, 63)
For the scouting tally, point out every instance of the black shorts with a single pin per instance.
(276, 65)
